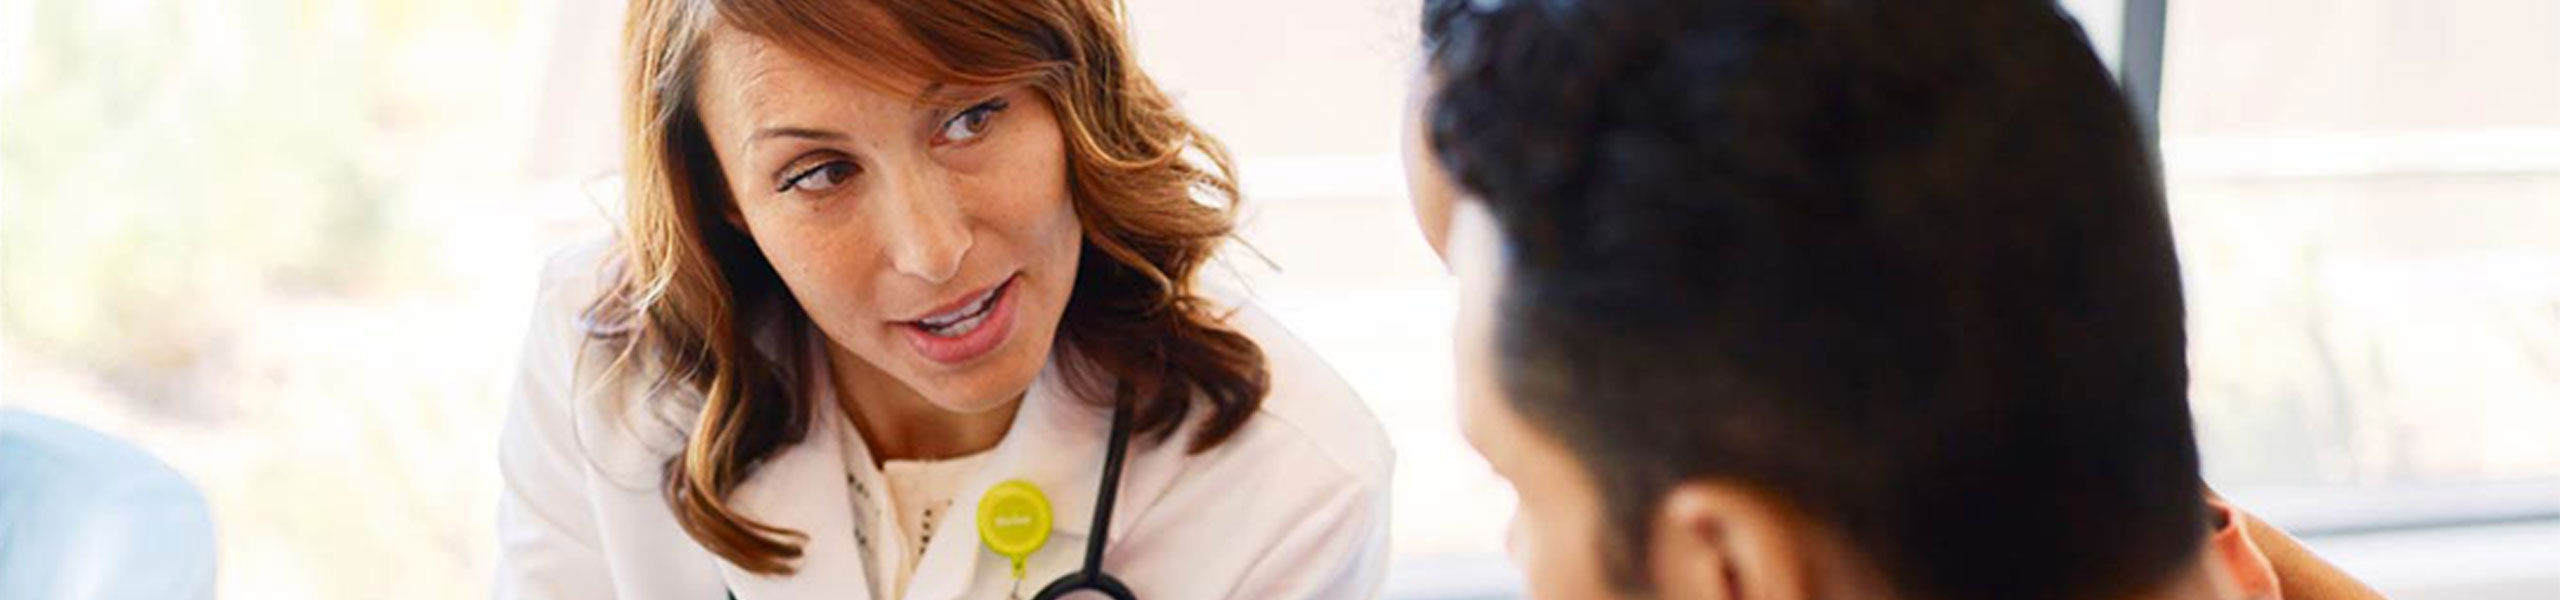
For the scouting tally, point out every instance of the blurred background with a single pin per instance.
(289, 248)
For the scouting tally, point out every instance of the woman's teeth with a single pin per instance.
(963, 320)
(957, 329)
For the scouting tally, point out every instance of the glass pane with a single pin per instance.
(2367, 196)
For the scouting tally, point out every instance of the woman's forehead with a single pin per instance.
(754, 72)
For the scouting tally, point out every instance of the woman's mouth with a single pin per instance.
(967, 329)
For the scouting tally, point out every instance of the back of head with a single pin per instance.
(1904, 264)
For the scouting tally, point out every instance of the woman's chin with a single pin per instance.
(987, 386)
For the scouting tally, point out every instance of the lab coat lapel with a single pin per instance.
(802, 488)
(1056, 442)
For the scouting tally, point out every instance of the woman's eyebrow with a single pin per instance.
(807, 133)
(931, 94)
(951, 97)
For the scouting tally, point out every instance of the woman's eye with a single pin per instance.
(970, 124)
(820, 178)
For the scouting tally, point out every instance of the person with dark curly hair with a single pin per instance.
(1802, 299)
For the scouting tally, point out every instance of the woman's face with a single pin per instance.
(926, 230)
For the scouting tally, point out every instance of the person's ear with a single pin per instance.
(1716, 540)
(1427, 185)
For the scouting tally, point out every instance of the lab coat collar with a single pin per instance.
(802, 488)
(1056, 442)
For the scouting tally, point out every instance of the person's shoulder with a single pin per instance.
(1310, 406)
(1306, 481)
(576, 382)
(568, 320)
(577, 273)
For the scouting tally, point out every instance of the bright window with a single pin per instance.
(2367, 196)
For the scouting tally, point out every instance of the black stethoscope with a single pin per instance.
(1092, 578)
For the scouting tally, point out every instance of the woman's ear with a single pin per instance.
(1716, 540)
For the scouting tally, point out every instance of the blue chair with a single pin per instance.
(84, 516)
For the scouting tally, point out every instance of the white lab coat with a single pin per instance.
(1294, 505)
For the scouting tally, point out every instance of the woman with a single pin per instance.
(884, 260)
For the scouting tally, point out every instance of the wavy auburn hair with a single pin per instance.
(1154, 195)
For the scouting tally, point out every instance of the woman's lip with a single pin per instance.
(979, 342)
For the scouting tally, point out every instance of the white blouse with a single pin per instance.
(895, 522)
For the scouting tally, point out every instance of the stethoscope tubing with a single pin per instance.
(1092, 577)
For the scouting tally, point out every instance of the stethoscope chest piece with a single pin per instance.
(1014, 520)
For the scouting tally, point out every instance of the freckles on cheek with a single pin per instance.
(817, 270)
(1044, 213)
(1068, 230)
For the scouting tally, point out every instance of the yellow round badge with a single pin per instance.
(1013, 520)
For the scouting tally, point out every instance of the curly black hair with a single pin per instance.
(1903, 264)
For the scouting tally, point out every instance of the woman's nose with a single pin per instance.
(927, 230)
